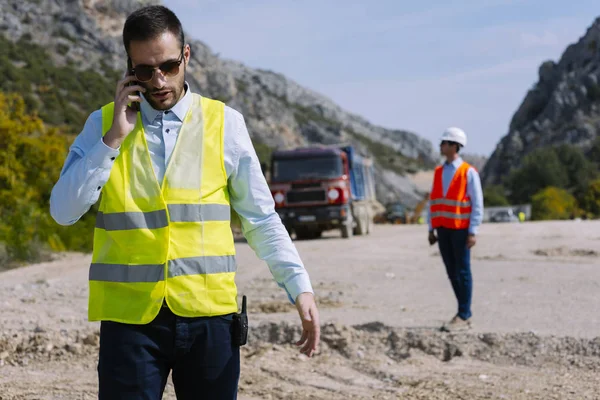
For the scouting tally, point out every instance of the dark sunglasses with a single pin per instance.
(145, 73)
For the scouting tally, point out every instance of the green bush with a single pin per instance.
(593, 153)
(386, 156)
(541, 168)
(564, 166)
(62, 49)
(494, 196)
(591, 199)
(62, 96)
(553, 203)
(580, 171)
(30, 165)
(49, 105)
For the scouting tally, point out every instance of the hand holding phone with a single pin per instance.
(127, 97)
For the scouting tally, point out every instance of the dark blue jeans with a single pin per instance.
(457, 258)
(135, 360)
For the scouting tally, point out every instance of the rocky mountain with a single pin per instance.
(562, 107)
(279, 112)
(476, 160)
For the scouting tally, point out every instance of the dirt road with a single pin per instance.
(382, 298)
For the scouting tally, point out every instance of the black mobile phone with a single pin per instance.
(135, 105)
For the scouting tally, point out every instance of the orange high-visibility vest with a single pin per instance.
(452, 211)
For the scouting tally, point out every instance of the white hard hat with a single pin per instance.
(454, 134)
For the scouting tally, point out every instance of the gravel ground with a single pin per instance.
(382, 298)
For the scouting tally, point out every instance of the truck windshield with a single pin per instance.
(295, 169)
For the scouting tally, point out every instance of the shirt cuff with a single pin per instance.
(101, 156)
(300, 284)
(472, 231)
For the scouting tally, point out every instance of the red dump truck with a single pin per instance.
(323, 188)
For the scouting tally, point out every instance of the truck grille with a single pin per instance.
(306, 196)
(306, 185)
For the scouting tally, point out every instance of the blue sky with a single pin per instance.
(403, 65)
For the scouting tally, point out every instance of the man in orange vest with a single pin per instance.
(455, 212)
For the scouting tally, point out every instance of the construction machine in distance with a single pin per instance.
(397, 213)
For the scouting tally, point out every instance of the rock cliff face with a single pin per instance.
(562, 107)
(279, 113)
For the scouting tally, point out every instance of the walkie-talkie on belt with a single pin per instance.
(239, 329)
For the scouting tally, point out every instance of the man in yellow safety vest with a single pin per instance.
(169, 164)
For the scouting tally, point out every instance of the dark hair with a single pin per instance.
(148, 23)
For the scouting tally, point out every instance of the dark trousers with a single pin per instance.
(457, 258)
(135, 360)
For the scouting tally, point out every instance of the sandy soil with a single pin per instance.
(382, 299)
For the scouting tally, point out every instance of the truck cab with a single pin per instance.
(316, 189)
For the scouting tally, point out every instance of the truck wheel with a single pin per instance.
(302, 234)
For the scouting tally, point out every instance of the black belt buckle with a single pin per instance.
(239, 327)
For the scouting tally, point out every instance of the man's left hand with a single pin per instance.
(311, 328)
(471, 241)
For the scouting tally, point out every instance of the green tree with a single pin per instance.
(62, 95)
(553, 203)
(594, 153)
(26, 163)
(591, 199)
(541, 168)
(30, 164)
(494, 196)
(580, 171)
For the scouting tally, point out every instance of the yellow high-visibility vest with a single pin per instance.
(165, 241)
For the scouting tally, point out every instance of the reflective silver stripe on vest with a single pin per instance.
(158, 219)
(155, 272)
(201, 265)
(448, 202)
(131, 220)
(127, 273)
(199, 212)
(450, 215)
